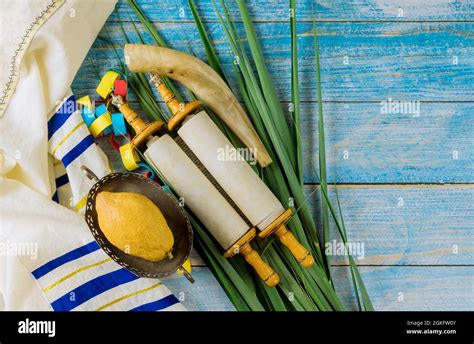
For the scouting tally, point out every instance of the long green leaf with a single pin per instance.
(322, 148)
(354, 282)
(148, 25)
(365, 296)
(210, 52)
(295, 99)
(266, 82)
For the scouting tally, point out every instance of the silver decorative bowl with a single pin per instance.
(175, 216)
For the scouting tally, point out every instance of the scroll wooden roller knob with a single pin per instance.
(132, 118)
(179, 110)
(265, 272)
(302, 255)
(142, 130)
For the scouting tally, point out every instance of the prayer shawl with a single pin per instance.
(48, 258)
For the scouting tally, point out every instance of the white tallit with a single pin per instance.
(48, 258)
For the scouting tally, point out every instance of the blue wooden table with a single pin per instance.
(398, 90)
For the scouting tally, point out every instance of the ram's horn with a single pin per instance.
(204, 82)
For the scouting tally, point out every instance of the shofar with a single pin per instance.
(204, 82)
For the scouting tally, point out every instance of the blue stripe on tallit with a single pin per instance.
(157, 305)
(91, 289)
(63, 180)
(65, 258)
(77, 150)
(67, 108)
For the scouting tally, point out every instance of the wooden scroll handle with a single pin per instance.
(243, 246)
(277, 227)
(132, 118)
(142, 130)
(263, 270)
(302, 255)
(179, 110)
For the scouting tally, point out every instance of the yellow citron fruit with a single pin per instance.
(134, 224)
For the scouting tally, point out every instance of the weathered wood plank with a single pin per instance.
(364, 145)
(273, 10)
(417, 288)
(205, 294)
(405, 225)
(401, 288)
(359, 61)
